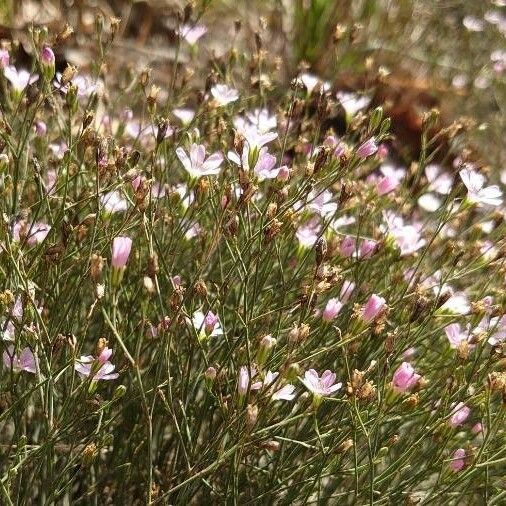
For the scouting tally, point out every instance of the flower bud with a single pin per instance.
(331, 310)
(119, 392)
(266, 345)
(367, 148)
(374, 306)
(121, 248)
(210, 374)
(48, 61)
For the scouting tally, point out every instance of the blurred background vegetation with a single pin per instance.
(411, 54)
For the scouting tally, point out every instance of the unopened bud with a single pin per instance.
(266, 345)
(119, 392)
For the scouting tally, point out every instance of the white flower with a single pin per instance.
(439, 181)
(223, 94)
(19, 79)
(196, 164)
(429, 202)
(114, 202)
(310, 81)
(476, 192)
(321, 386)
(256, 138)
(352, 103)
(185, 115)
(321, 203)
(192, 33)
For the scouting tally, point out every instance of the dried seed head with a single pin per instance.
(251, 415)
(89, 116)
(497, 381)
(64, 34)
(96, 267)
(345, 446)
(90, 452)
(145, 77)
(200, 288)
(68, 74)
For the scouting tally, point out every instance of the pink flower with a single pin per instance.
(40, 128)
(25, 361)
(374, 306)
(285, 393)
(383, 151)
(16, 313)
(192, 33)
(321, 386)
(99, 368)
(367, 248)
(367, 149)
(209, 323)
(476, 191)
(4, 58)
(223, 94)
(407, 238)
(439, 181)
(19, 79)
(47, 56)
(308, 233)
(456, 334)
(121, 247)
(257, 138)
(283, 173)
(331, 309)
(405, 377)
(85, 85)
(37, 232)
(387, 184)
(346, 291)
(459, 415)
(105, 355)
(458, 460)
(265, 166)
(348, 246)
(477, 428)
(321, 202)
(196, 164)
(244, 380)
(498, 324)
